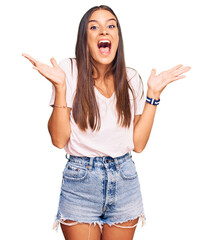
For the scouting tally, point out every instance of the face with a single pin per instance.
(102, 36)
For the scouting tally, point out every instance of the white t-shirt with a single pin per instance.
(112, 139)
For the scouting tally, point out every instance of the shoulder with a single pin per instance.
(131, 73)
(64, 63)
(133, 77)
(67, 64)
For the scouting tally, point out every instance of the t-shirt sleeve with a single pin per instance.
(139, 101)
(65, 65)
(136, 83)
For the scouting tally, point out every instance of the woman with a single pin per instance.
(99, 116)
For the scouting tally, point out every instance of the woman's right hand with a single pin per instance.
(54, 74)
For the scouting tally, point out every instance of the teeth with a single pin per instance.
(104, 41)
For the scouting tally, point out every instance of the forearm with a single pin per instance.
(156, 84)
(143, 127)
(59, 122)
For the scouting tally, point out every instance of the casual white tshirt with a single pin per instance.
(112, 139)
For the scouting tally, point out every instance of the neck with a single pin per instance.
(100, 71)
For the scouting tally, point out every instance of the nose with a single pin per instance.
(103, 31)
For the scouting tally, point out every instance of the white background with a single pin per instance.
(175, 169)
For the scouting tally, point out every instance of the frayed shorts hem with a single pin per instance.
(142, 218)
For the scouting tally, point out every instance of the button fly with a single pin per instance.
(109, 160)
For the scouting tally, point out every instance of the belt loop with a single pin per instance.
(116, 164)
(67, 156)
(91, 163)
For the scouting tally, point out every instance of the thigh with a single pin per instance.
(125, 232)
(81, 231)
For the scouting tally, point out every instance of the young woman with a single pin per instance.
(99, 116)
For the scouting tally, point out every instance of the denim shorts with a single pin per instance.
(102, 190)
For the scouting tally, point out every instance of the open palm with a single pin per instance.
(158, 82)
(54, 74)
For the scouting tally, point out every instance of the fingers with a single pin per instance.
(53, 61)
(153, 72)
(179, 77)
(182, 70)
(37, 63)
(177, 74)
(32, 60)
(174, 79)
(36, 68)
(175, 68)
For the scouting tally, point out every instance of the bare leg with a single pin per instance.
(117, 233)
(81, 231)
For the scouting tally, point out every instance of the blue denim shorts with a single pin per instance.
(102, 190)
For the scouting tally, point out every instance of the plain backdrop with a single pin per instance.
(175, 169)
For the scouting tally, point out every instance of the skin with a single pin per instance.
(103, 25)
(59, 127)
(59, 122)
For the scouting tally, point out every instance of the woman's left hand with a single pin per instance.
(156, 83)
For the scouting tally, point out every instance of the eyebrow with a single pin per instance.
(107, 20)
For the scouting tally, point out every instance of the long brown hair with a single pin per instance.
(85, 108)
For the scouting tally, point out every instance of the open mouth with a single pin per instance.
(104, 46)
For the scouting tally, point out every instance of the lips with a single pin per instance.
(104, 46)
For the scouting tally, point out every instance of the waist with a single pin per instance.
(104, 159)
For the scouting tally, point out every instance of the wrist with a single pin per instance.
(60, 87)
(152, 101)
(152, 94)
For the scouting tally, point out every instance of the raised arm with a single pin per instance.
(59, 122)
(156, 83)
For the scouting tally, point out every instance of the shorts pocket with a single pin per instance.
(75, 172)
(128, 170)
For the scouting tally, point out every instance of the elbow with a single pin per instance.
(59, 143)
(139, 149)
(59, 140)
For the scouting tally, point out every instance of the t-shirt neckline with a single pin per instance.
(103, 97)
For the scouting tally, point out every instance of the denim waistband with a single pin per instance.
(68, 156)
(104, 159)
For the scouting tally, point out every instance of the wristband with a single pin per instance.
(152, 101)
(59, 106)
